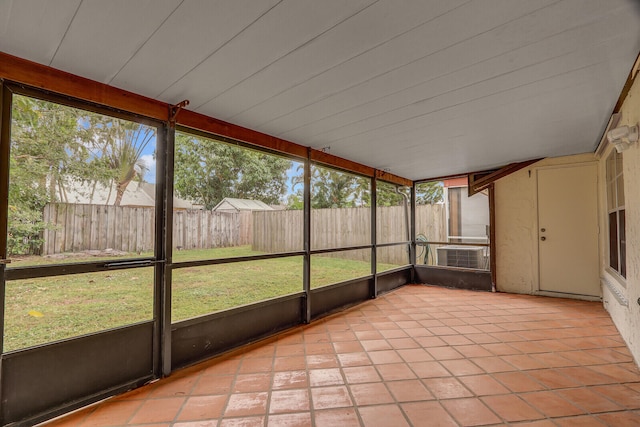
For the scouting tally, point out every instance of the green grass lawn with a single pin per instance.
(47, 309)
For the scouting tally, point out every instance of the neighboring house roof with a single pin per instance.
(178, 203)
(136, 194)
(229, 203)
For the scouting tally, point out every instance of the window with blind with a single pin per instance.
(616, 214)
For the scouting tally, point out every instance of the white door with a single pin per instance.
(568, 230)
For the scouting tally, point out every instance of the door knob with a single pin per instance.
(543, 229)
(543, 238)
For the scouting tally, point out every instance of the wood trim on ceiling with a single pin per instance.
(25, 72)
(198, 121)
(442, 177)
(29, 73)
(476, 185)
(331, 160)
(627, 85)
(389, 177)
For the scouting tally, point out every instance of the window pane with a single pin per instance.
(392, 213)
(431, 217)
(620, 190)
(623, 244)
(390, 257)
(611, 195)
(197, 291)
(338, 267)
(616, 200)
(340, 209)
(447, 216)
(82, 185)
(468, 216)
(231, 201)
(613, 241)
(38, 311)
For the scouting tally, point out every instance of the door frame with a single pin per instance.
(537, 290)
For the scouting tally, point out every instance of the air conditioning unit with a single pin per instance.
(461, 256)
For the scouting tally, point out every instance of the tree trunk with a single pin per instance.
(120, 188)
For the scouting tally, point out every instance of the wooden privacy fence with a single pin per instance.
(79, 227)
(281, 231)
(200, 229)
(431, 222)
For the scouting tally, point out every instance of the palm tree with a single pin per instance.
(121, 144)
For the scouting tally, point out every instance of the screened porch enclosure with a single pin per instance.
(179, 179)
(96, 281)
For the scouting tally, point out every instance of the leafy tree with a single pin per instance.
(429, 193)
(295, 201)
(54, 146)
(331, 188)
(47, 151)
(46, 139)
(388, 196)
(207, 171)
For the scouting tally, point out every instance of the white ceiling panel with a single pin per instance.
(458, 115)
(286, 27)
(105, 34)
(423, 106)
(372, 27)
(518, 124)
(437, 34)
(421, 87)
(485, 56)
(33, 29)
(195, 31)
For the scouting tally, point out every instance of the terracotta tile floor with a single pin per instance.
(418, 356)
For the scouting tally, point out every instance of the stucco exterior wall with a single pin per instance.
(516, 226)
(620, 296)
(516, 230)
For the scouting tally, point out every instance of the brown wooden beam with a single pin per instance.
(32, 74)
(477, 185)
(627, 86)
(331, 160)
(442, 177)
(208, 124)
(50, 79)
(395, 179)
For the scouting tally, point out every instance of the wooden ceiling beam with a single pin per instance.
(198, 121)
(29, 73)
(395, 179)
(320, 156)
(488, 178)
